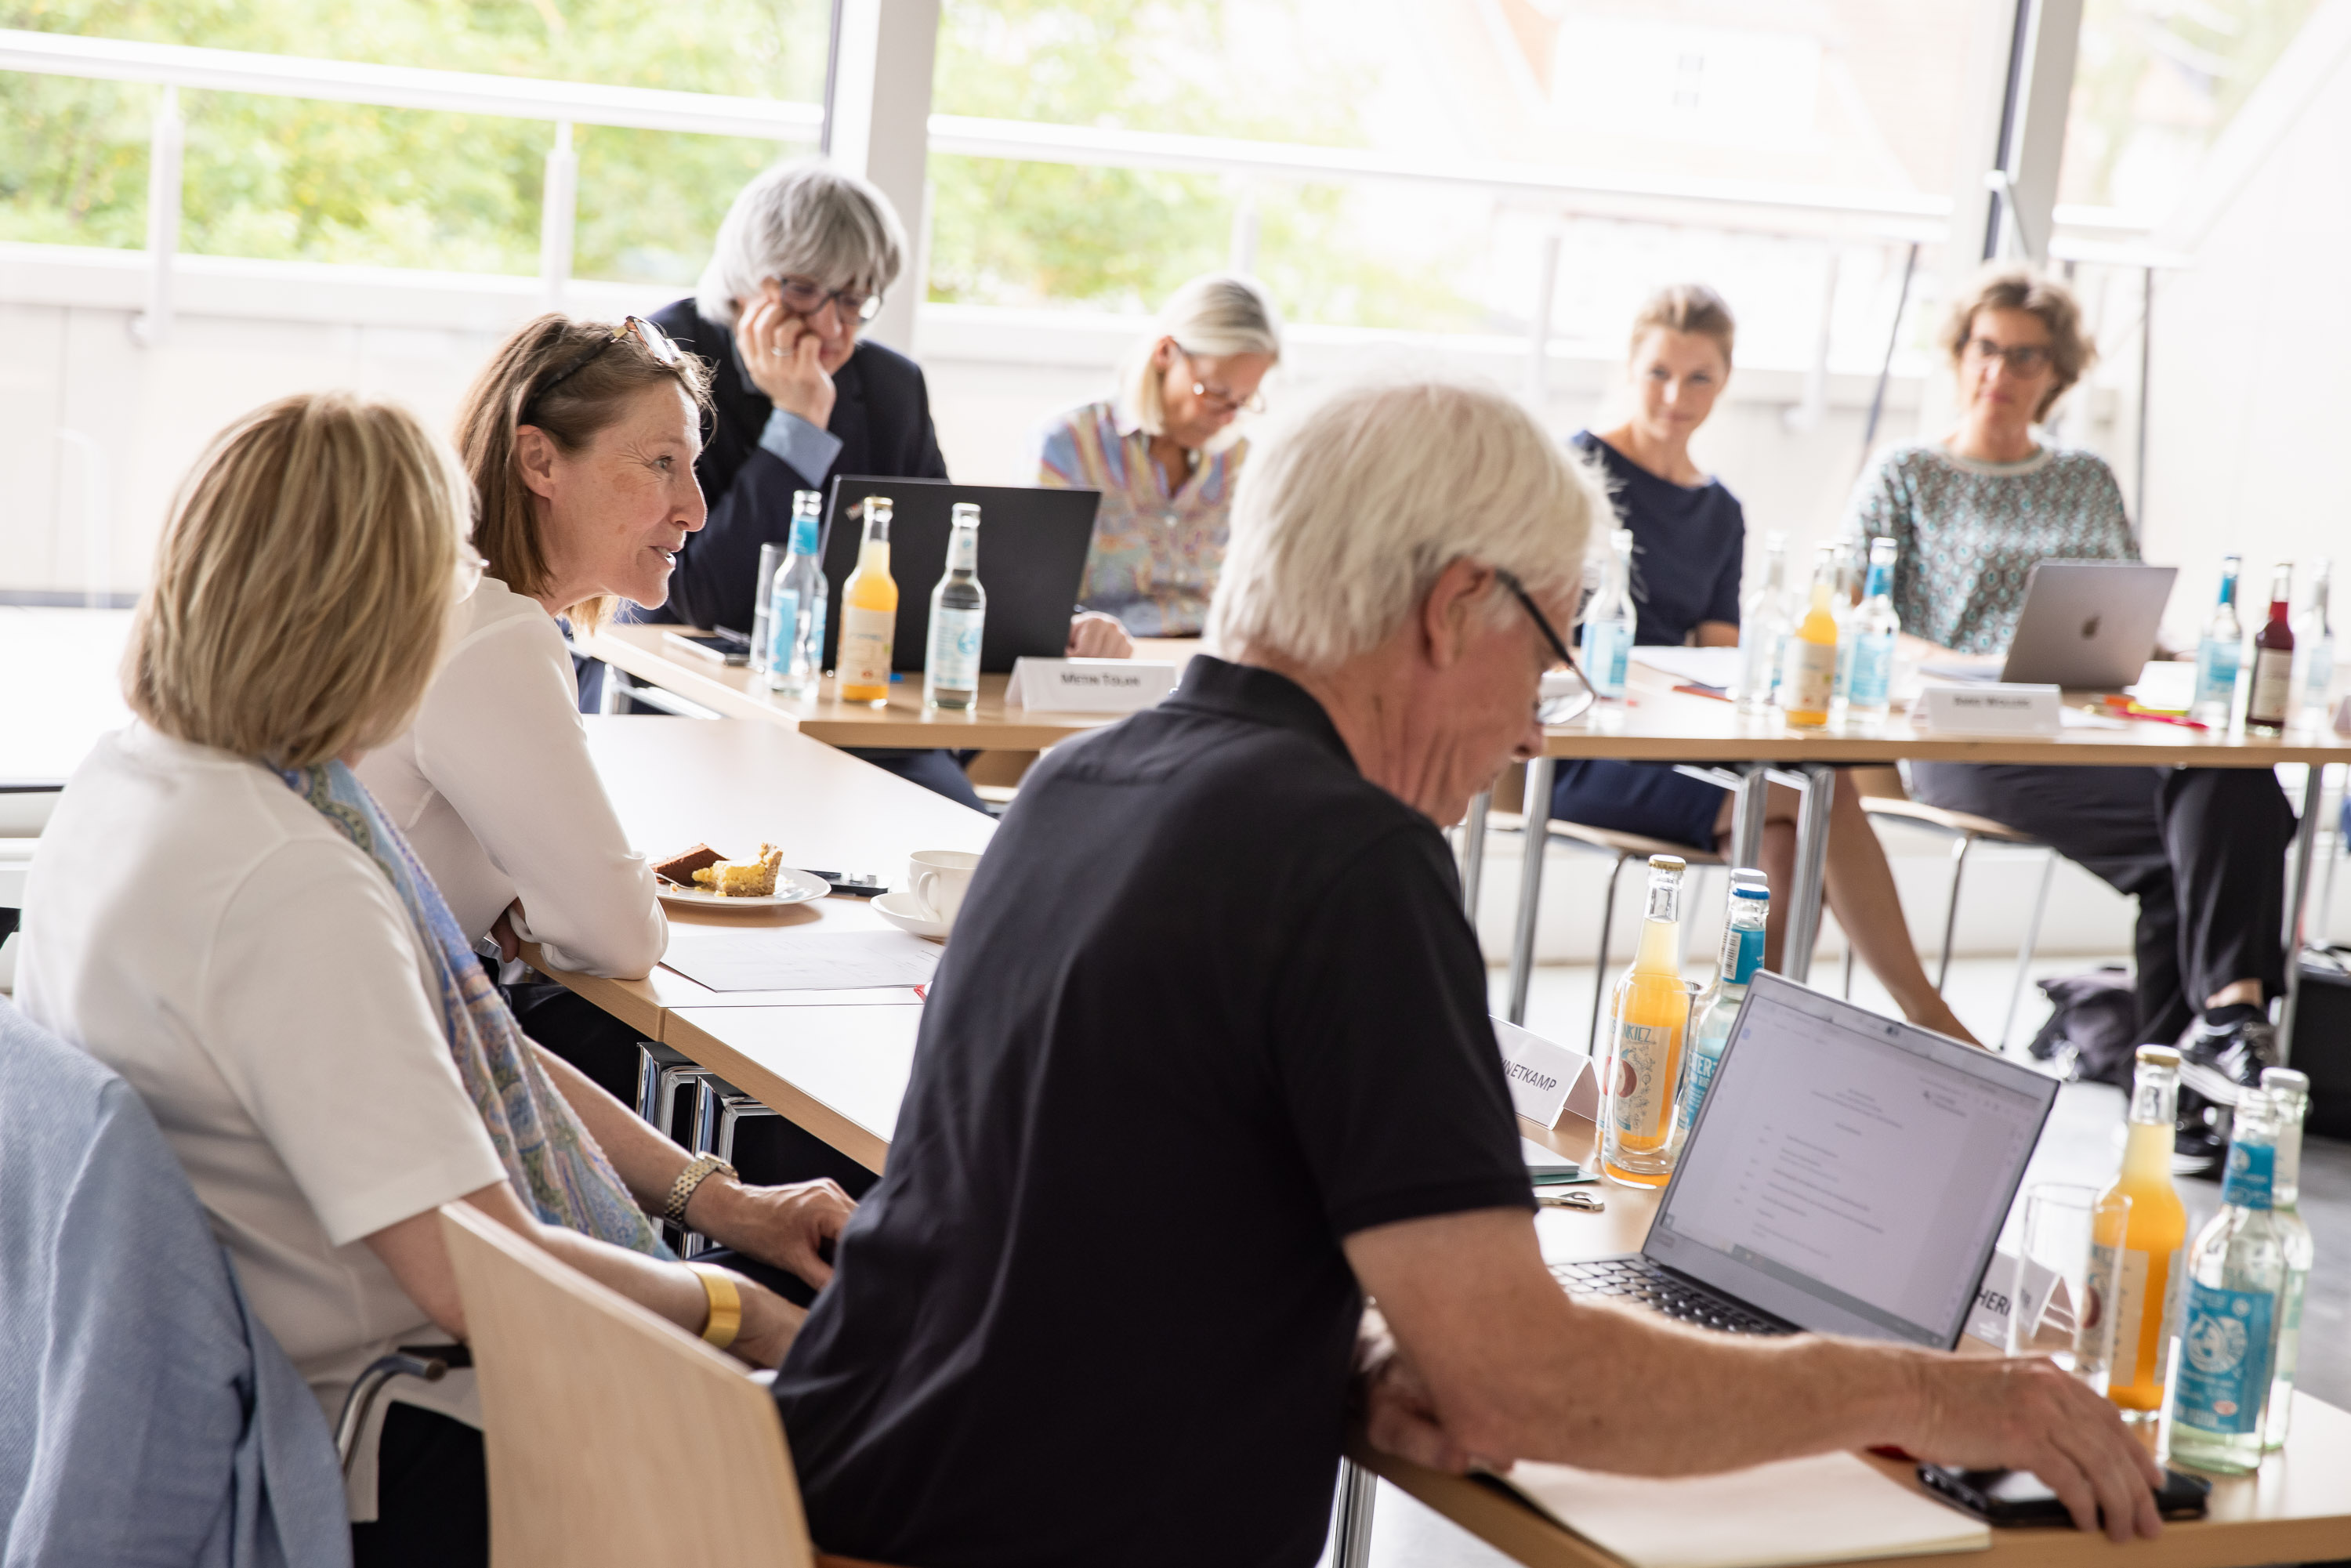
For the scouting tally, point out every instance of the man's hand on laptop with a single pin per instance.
(2024, 1414)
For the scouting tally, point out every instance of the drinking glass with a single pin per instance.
(2075, 1234)
(771, 560)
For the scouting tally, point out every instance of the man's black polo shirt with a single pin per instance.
(1211, 1006)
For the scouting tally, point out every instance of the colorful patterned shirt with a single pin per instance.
(1155, 556)
(1971, 533)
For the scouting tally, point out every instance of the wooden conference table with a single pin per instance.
(837, 1064)
(1658, 724)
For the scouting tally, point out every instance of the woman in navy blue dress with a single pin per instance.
(1688, 540)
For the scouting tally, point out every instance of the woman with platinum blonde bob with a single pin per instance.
(223, 915)
(1164, 452)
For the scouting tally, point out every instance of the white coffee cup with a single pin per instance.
(938, 879)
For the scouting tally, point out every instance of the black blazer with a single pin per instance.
(882, 414)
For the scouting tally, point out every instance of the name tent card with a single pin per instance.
(1990, 710)
(1089, 685)
(1546, 1079)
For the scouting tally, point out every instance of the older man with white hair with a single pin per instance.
(1208, 1062)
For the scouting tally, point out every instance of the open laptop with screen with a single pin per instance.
(1848, 1174)
(2086, 625)
(1032, 557)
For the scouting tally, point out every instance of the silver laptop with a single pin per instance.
(1847, 1174)
(2086, 625)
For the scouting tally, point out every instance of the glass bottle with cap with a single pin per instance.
(1648, 1019)
(1808, 660)
(1867, 649)
(959, 616)
(1608, 622)
(2290, 1092)
(2236, 1287)
(2313, 650)
(1718, 1006)
(1762, 624)
(2220, 654)
(797, 606)
(869, 612)
(2151, 1273)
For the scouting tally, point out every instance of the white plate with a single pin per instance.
(792, 888)
(905, 911)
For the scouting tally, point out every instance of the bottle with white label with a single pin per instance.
(1870, 634)
(869, 612)
(1647, 1027)
(2151, 1273)
(2314, 650)
(2291, 1093)
(2268, 705)
(958, 614)
(1808, 662)
(797, 606)
(2220, 654)
(1718, 1006)
(1762, 625)
(1842, 604)
(1608, 622)
(2236, 1285)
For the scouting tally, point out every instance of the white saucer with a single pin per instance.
(906, 913)
(792, 888)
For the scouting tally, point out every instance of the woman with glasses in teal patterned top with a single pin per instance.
(2202, 850)
(1165, 453)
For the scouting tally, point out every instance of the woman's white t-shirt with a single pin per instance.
(200, 929)
(496, 792)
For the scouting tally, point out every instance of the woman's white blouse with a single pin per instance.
(200, 929)
(496, 793)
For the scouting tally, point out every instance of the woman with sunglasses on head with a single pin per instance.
(2201, 849)
(223, 915)
(578, 439)
(1165, 453)
(1688, 539)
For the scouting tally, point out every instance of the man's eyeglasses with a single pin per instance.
(656, 342)
(806, 296)
(1222, 396)
(1565, 707)
(2021, 359)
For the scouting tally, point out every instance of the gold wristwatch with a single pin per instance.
(680, 1191)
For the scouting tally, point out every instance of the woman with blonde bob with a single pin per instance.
(222, 913)
(1166, 452)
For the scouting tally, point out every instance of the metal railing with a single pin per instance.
(1891, 217)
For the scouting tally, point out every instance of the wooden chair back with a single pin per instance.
(615, 1438)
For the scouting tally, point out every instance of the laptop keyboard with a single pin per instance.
(1642, 1282)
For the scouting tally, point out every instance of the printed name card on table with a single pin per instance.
(1089, 685)
(2000, 1295)
(1546, 1079)
(2003, 709)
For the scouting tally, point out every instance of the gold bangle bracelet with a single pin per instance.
(725, 1320)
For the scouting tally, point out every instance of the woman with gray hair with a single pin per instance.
(1165, 453)
(801, 263)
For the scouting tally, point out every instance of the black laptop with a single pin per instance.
(1032, 557)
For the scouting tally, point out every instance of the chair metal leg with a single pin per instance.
(1812, 856)
(615, 691)
(1600, 964)
(1951, 910)
(719, 1108)
(2024, 953)
(2297, 897)
(1537, 815)
(1350, 1529)
(1473, 852)
(1747, 816)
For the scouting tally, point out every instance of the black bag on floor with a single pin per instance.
(2094, 1028)
(2322, 1038)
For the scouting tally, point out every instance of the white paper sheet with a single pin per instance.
(788, 958)
(1705, 667)
(1830, 1508)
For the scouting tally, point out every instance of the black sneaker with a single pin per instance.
(2221, 1056)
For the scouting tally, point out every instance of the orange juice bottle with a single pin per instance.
(869, 612)
(1647, 1027)
(2153, 1275)
(1808, 663)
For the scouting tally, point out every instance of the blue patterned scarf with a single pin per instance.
(552, 1159)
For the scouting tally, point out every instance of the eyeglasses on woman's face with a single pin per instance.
(806, 296)
(1563, 707)
(1219, 395)
(2021, 359)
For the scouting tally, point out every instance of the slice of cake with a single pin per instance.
(753, 878)
(680, 867)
